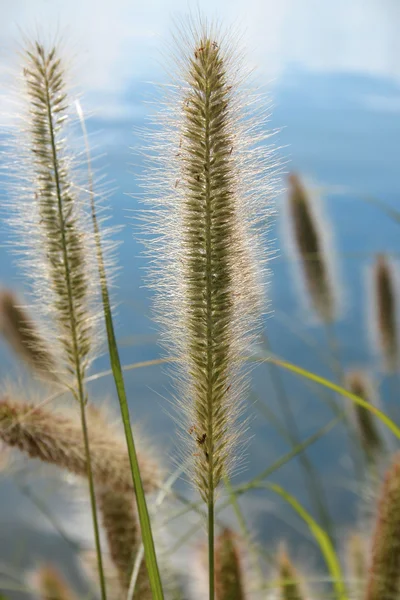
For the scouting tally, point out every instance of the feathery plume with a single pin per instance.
(209, 185)
(384, 568)
(23, 336)
(357, 564)
(290, 587)
(56, 438)
(229, 576)
(50, 584)
(384, 315)
(309, 243)
(120, 522)
(51, 227)
(358, 383)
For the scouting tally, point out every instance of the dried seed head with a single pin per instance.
(384, 567)
(309, 243)
(385, 312)
(359, 384)
(289, 583)
(120, 521)
(56, 438)
(229, 576)
(24, 337)
(357, 563)
(210, 188)
(50, 584)
(47, 216)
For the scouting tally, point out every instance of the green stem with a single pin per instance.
(316, 489)
(147, 536)
(80, 393)
(211, 546)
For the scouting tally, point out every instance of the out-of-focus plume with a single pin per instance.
(24, 337)
(384, 311)
(384, 566)
(359, 384)
(308, 239)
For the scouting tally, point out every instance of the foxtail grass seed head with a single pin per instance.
(289, 581)
(309, 243)
(23, 336)
(121, 524)
(46, 212)
(56, 438)
(359, 384)
(384, 567)
(211, 182)
(229, 573)
(50, 584)
(385, 311)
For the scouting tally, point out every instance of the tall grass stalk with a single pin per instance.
(147, 535)
(51, 232)
(209, 187)
(384, 313)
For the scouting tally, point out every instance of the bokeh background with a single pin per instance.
(332, 75)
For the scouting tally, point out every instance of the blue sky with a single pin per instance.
(122, 40)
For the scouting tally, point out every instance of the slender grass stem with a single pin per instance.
(211, 546)
(147, 536)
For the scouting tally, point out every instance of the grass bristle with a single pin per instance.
(308, 239)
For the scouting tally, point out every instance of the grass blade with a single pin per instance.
(147, 535)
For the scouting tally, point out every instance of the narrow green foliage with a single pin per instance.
(321, 537)
(357, 383)
(147, 535)
(384, 566)
(385, 312)
(290, 587)
(229, 575)
(340, 390)
(308, 240)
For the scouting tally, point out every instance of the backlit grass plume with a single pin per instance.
(55, 437)
(209, 184)
(384, 567)
(384, 311)
(50, 584)
(358, 383)
(309, 242)
(23, 336)
(52, 230)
